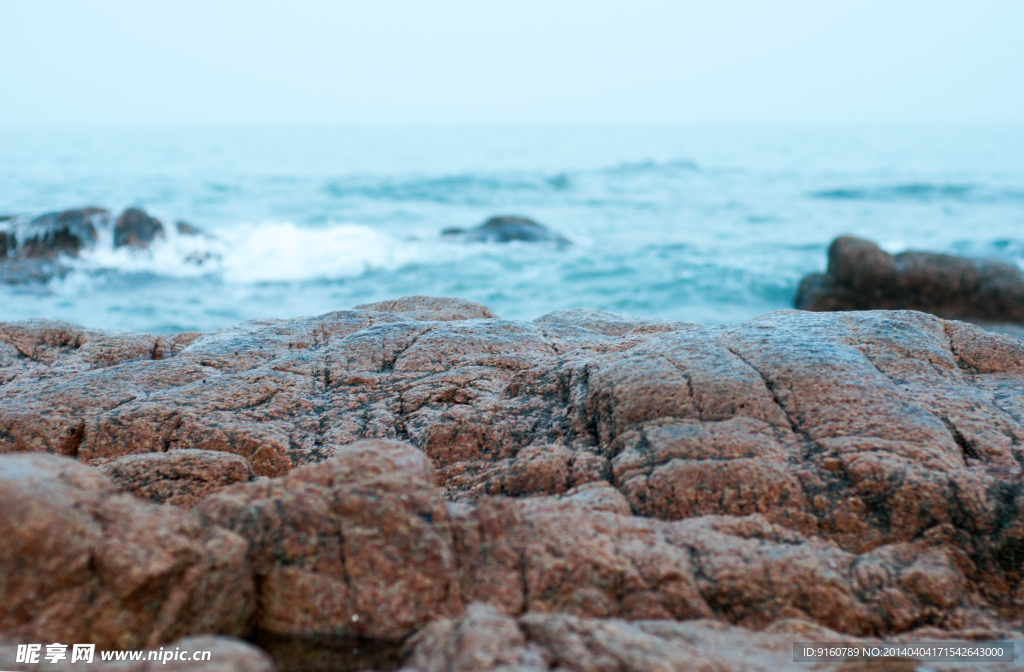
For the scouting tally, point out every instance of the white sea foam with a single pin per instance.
(270, 252)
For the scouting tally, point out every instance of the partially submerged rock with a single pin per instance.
(136, 229)
(82, 563)
(57, 233)
(861, 276)
(507, 229)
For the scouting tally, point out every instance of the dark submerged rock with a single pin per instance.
(186, 229)
(8, 244)
(55, 233)
(862, 276)
(136, 229)
(506, 229)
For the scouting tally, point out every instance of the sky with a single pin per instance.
(315, 62)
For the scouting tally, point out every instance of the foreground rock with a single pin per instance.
(431, 309)
(505, 230)
(859, 471)
(485, 640)
(225, 655)
(178, 477)
(364, 545)
(81, 563)
(861, 276)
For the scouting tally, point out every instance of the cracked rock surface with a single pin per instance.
(856, 471)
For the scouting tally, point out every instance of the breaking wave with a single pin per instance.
(272, 252)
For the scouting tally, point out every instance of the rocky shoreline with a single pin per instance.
(454, 491)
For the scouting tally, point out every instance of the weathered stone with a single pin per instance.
(136, 229)
(507, 229)
(178, 477)
(865, 430)
(226, 654)
(82, 563)
(860, 276)
(358, 545)
(431, 308)
(484, 640)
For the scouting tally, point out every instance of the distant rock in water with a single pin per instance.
(862, 276)
(186, 229)
(8, 244)
(136, 229)
(507, 229)
(56, 233)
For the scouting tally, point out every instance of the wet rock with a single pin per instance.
(178, 477)
(57, 233)
(8, 244)
(82, 563)
(861, 276)
(25, 271)
(507, 229)
(226, 654)
(431, 308)
(136, 229)
(186, 229)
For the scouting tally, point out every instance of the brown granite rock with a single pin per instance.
(483, 639)
(358, 545)
(861, 276)
(887, 432)
(363, 544)
(431, 308)
(178, 477)
(81, 563)
(226, 654)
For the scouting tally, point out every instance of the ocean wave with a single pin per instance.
(923, 192)
(478, 189)
(270, 252)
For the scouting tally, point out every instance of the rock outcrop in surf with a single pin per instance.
(506, 229)
(861, 276)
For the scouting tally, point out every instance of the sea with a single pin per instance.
(708, 223)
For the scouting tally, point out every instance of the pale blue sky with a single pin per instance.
(569, 61)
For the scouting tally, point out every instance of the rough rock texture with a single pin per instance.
(55, 233)
(858, 471)
(136, 229)
(359, 545)
(226, 655)
(861, 276)
(507, 229)
(363, 544)
(484, 640)
(178, 477)
(81, 563)
(431, 308)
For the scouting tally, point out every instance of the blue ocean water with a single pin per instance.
(706, 224)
